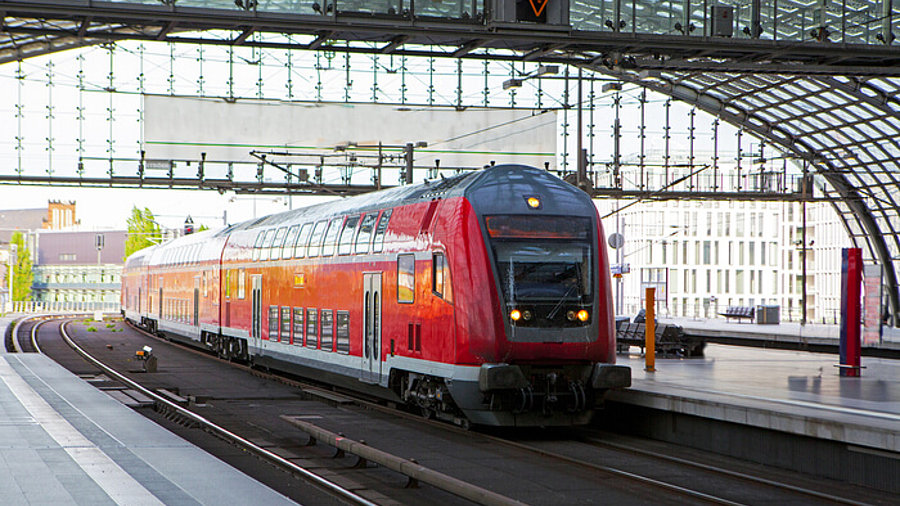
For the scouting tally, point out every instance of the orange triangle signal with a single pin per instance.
(538, 6)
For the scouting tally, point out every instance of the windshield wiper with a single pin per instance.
(559, 304)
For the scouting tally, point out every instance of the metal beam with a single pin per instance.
(156, 22)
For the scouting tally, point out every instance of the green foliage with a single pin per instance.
(22, 275)
(110, 325)
(202, 228)
(92, 329)
(143, 231)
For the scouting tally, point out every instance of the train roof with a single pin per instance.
(496, 189)
(506, 175)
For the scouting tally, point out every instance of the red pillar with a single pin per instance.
(851, 283)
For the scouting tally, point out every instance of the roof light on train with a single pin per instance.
(533, 202)
(515, 315)
(583, 315)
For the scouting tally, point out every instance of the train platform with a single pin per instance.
(797, 392)
(65, 442)
(785, 333)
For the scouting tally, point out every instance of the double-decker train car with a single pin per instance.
(482, 298)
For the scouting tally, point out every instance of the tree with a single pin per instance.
(143, 230)
(22, 275)
(202, 228)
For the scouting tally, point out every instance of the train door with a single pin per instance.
(371, 359)
(256, 308)
(196, 300)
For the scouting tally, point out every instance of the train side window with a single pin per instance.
(437, 274)
(267, 244)
(312, 328)
(257, 246)
(273, 323)
(315, 242)
(290, 238)
(348, 234)
(286, 324)
(242, 283)
(364, 237)
(343, 332)
(327, 330)
(331, 237)
(406, 279)
(378, 241)
(277, 244)
(302, 240)
(228, 283)
(298, 326)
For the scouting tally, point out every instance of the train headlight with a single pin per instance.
(583, 315)
(515, 315)
(527, 314)
(571, 316)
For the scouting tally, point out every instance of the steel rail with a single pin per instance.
(726, 472)
(34, 333)
(218, 430)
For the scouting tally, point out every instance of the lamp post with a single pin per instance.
(13, 254)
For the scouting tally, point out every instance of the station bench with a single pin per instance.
(739, 312)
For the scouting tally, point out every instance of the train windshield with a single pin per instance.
(543, 258)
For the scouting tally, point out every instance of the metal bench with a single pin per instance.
(739, 312)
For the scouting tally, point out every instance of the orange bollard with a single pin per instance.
(650, 331)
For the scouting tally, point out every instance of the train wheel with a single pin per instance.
(427, 413)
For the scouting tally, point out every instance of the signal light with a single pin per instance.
(583, 315)
(515, 314)
(526, 314)
(533, 202)
(571, 316)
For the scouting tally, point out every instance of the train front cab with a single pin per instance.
(546, 348)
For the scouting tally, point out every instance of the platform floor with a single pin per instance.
(793, 391)
(62, 441)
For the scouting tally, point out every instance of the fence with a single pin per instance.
(64, 307)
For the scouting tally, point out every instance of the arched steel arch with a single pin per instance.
(847, 128)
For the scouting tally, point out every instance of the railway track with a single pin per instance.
(592, 454)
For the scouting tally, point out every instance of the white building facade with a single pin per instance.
(702, 256)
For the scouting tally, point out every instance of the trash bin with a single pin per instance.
(768, 314)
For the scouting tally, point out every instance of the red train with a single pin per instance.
(482, 298)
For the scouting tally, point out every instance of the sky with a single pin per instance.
(109, 208)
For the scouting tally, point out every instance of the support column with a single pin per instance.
(851, 277)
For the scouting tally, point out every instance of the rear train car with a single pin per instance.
(482, 298)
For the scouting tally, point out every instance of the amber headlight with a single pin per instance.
(515, 315)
